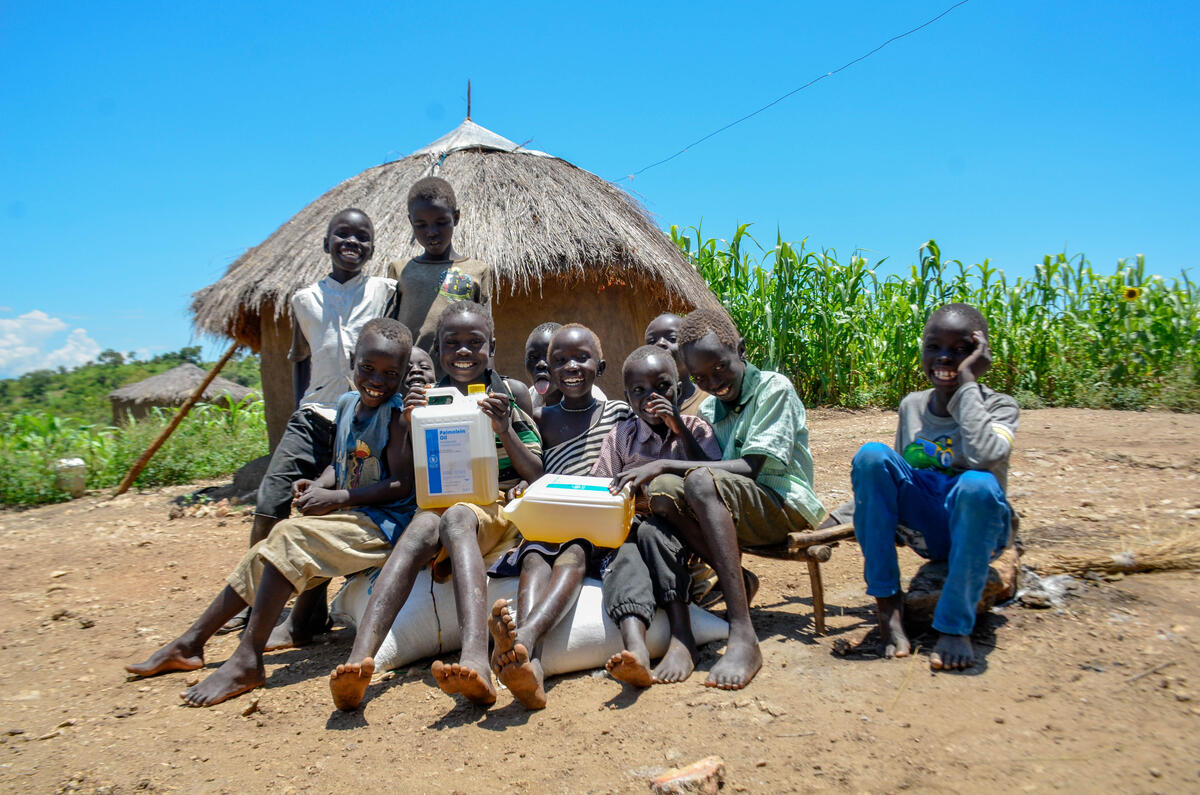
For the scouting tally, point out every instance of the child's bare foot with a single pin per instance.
(240, 673)
(736, 667)
(893, 641)
(465, 679)
(952, 653)
(630, 668)
(348, 683)
(503, 627)
(676, 665)
(523, 677)
(289, 634)
(175, 656)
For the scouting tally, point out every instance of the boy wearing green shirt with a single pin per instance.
(761, 490)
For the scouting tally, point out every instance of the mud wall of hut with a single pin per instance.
(617, 313)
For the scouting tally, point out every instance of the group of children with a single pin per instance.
(714, 450)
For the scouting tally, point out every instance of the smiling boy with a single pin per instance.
(326, 320)
(941, 489)
(440, 276)
(352, 515)
(761, 490)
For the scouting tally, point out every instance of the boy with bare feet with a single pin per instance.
(352, 514)
(326, 320)
(462, 538)
(761, 490)
(573, 431)
(649, 570)
(941, 489)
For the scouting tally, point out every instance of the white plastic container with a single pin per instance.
(559, 508)
(454, 450)
(70, 475)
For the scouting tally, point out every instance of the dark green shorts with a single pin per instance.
(761, 516)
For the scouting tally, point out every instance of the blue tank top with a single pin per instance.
(359, 459)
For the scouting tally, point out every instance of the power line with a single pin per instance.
(776, 101)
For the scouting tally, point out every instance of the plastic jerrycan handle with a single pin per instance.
(444, 391)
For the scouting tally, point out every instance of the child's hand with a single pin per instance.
(637, 478)
(300, 486)
(499, 409)
(978, 361)
(516, 491)
(316, 501)
(666, 411)
(415, 398)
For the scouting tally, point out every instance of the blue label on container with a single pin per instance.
(434, 460)
(577, 487)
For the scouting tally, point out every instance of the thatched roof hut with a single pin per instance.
(171, 389)
(565, 244)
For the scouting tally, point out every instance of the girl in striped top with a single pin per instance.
(552, 574)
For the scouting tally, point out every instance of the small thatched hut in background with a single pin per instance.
(171, 389)
(565, 244)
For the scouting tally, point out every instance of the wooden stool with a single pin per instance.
(814, 547)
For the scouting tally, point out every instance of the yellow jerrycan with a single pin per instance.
(558, 508)
(454, 449)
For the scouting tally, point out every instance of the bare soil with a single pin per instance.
(1061, 700)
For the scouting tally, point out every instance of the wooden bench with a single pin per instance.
(814, 547)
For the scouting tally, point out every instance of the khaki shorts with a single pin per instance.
(495, 534)
(309, 550)
(762, 518)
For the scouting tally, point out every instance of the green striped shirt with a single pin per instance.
(769, 420)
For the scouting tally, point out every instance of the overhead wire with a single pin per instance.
(781, 98)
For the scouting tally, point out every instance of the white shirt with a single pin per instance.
(329, 315)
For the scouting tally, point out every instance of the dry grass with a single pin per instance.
(1181, 552)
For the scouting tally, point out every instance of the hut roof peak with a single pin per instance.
(470, 135)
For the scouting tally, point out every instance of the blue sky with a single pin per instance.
(145, 146)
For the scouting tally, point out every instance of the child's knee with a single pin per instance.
(979, 489)
(458, 523)
(871, 456)
(699, 486)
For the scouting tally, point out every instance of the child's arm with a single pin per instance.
(323, 498)
(987, 431)
(669, 413)
(301, 357)
(527, 463)
(521, 395)
(638, 477)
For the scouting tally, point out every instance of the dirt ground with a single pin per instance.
(1062, 699)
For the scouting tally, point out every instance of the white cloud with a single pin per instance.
(35, 341)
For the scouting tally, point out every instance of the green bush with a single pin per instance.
(211, 441)
(1068, 336)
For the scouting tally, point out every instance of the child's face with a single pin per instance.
(715, 368)
(464, 347)
(536, 363)
(433, 225)
(350, 241)
(379, 367)
(643, 380)
(947, 341)
(420, 369)
(574, 362)
(663, 331)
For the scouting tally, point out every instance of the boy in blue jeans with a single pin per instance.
(941, 489)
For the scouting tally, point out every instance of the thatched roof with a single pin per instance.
(531, 216)
(176, 385)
